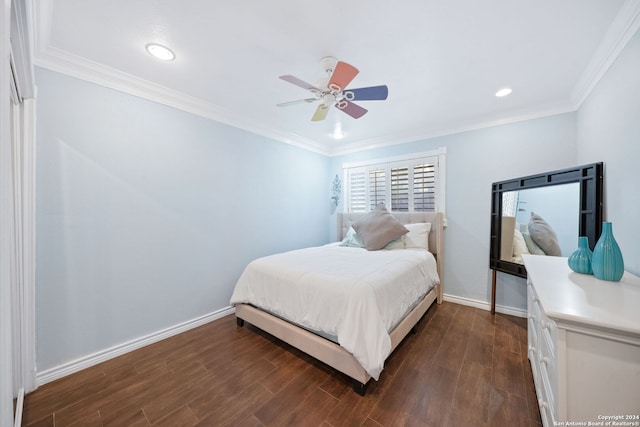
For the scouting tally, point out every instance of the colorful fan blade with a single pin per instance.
(342, 76)
(299, 101)
(296, 81)
(351, 109)
(373, 93)
(321, 113)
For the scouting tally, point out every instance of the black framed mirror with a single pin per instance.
(568, 201)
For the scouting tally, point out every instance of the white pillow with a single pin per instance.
(418, 235)
(519, 245)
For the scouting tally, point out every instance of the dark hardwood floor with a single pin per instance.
(463, 367)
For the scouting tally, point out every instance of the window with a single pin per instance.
(377, 187)
(412, 183)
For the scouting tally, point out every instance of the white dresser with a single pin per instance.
(584, 344)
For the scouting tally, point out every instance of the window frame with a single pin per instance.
(437, 157)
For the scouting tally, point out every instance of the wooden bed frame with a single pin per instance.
(331, 353)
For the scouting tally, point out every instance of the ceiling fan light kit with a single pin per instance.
(332, 90)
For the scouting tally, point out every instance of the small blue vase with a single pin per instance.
(607, 262)
(580, 260)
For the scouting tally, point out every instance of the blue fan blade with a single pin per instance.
(373, 93)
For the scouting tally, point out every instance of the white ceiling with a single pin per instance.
(442, 60)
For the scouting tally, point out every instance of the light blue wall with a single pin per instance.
(476, 159)
(147, 215)
(609, 131)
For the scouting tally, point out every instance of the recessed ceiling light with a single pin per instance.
(160, 52)
(503, 92)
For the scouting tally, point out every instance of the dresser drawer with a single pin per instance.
(547, 398)
(533, 307)
(532, 333)
(548, 377)
(531, 293)
(549, 331)
(545, 414)
(548, 357)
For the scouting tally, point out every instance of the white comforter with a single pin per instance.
(351, 293)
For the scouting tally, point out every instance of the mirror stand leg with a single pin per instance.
(493, 291)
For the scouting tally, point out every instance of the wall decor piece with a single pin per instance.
(607, 262)
(336, 190)
(580, 260)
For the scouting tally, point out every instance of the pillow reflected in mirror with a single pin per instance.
(533, 248)
(542, 233)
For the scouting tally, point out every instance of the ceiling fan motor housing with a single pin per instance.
(328, 64)
(331, 90)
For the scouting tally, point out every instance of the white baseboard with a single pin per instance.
(79, 364)
(485, 305)
(120, 349)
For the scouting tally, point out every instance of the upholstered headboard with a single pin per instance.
(436, 235)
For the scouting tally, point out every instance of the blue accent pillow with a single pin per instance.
(352, 240)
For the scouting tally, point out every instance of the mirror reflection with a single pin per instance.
(540, 221)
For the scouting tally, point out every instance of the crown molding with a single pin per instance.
(416, 135)
(65, 63)
(93, 72)
(624, 26)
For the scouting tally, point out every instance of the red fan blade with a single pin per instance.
(351, 109)
(296, 81)
(321, 113)
(342, 76)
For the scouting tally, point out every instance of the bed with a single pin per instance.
(340, 329)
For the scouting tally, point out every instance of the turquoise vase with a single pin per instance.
(607, 262)
(580, 260)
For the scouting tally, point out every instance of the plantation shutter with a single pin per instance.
(424, 187)
(357, 191)
(403, 184)
(377, 187)
(400, 189)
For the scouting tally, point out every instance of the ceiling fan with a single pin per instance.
(332, 90)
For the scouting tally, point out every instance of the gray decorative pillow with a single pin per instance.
(544, 236)
(378, 227)
(531, 245)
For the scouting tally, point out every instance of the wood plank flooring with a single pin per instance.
(463, 367)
